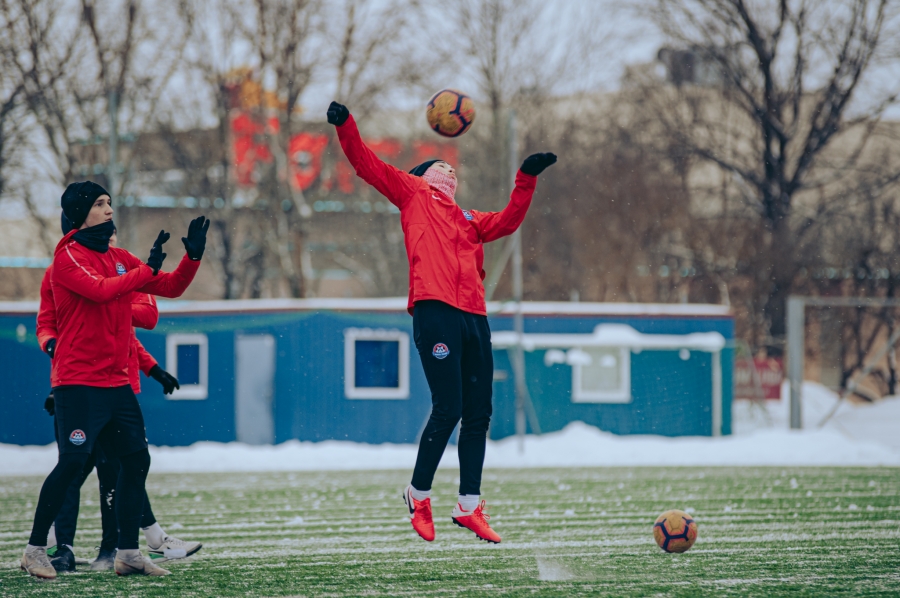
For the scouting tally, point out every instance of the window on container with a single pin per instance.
(601, 375)
(376, 364)
(187, 358)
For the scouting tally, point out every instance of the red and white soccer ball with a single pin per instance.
(675, 531)
(450, 113)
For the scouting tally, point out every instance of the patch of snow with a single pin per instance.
(876, 423)
(578, 445)
(552, 570)
(856, 436)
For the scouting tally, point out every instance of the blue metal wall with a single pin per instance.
(670, 396)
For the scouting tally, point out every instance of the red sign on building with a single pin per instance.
(305, 153)
(758, 378)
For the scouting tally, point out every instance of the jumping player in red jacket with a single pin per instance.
(444, 245)
(92, 287)
(144, 314)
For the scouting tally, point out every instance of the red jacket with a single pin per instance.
(92, 293)
(46, 318)
(443, 241)
(139, 361)
(144, 314)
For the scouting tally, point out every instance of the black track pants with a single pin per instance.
(108, 476)
(53, 493)
(85, 415)
(130, 497)
(455, 348)
(67, 520)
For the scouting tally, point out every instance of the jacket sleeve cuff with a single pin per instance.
(148, 367)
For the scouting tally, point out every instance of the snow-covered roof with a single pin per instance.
(531, 308)
(612, 335)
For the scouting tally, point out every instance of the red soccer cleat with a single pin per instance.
(476, 521)
(420, 515)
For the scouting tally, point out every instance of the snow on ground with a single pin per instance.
(855, 436)
(877, 423)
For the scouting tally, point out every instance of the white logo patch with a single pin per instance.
(120, 269)
(468, 214)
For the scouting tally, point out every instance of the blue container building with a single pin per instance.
(268, 371)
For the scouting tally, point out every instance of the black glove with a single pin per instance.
(157, 256)
(337, 114)
(195, 241)
(50, 404)
(536, 163)
(168, 381)
(50, 347)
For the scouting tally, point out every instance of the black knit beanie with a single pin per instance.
(77, 200)
(421, 168)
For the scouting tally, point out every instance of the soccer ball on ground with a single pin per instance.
(450, 113)
(675, 531)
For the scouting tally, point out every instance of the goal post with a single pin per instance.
(796, 340)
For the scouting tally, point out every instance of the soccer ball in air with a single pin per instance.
(675, 531)
(450, 113)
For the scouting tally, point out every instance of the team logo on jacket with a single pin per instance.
(468, 214)
(77, 437)
(440, 351)
(120, 269)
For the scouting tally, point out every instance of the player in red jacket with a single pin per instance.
(144, 314)
(92, 286)
(444, 245)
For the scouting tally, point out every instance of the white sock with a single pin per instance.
(155, 535)
(419, 494)
(128, 554)
(51, 536)
(468, 502)
(31, 548)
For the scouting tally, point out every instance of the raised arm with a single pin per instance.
(144, 313)
(391, 182)
(46, 318)
(72, 271)
(495, 225)
(172, 284)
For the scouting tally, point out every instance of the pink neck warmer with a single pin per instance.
(444, 183)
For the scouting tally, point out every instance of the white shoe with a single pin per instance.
(173, 548)
(36, 562)
(137, 564)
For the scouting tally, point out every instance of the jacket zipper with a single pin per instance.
(458, 269)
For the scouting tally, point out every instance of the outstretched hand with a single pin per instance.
(155, 261)
(195, 241)
(536, 163)
(337, 114)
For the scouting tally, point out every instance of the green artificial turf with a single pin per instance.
(566, 532)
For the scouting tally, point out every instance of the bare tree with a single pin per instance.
(514, 55)
(370, 63)
(87, 73)
(299, 48)
(769, 95)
